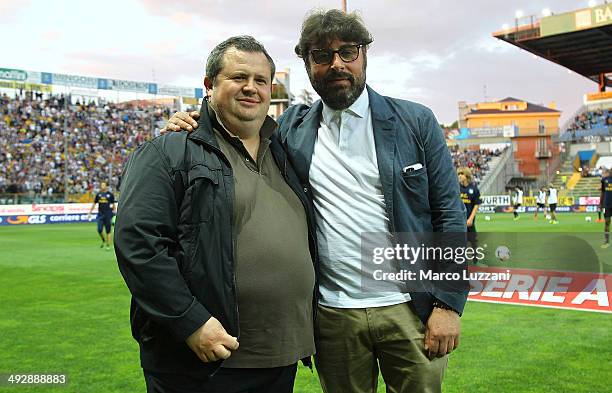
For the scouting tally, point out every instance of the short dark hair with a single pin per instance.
(245, 43)
(321, 27)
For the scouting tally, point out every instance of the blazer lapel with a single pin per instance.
(301, 141)
(384, 138)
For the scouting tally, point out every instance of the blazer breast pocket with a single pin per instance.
(203, 186)
(416, 185)
(422, 170)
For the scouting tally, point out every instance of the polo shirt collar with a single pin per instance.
(267, 128)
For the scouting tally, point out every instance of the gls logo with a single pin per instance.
(37, 219)
(17, 220)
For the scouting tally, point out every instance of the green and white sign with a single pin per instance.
(13, 75)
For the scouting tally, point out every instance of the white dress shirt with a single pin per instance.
(348, 199)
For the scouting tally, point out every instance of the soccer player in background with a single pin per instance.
(606, 203)
(517, 201)
(540, 202)
(470, 196)
(601, 172)
(553, 198)
(106, 208)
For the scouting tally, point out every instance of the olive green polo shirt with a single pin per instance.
(274, 271)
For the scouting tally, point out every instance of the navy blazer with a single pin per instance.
(424, 200)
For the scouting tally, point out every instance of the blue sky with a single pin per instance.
(434, 52)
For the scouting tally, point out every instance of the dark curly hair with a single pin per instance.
(321, 27)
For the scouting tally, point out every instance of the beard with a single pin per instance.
(338, 97)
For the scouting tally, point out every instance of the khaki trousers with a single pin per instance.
(353, 344)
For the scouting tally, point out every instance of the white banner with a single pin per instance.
(132, 86)
(496, 200)
(55, 208)
(75, 81)
(175, 91)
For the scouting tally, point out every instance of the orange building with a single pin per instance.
(530, 128)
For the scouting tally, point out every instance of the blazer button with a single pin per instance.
(305, 189)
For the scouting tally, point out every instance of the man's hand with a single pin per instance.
(211, 342)
(470, 222)
(442, 332)
(182, 121)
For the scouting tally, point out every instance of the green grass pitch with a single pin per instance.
(64, 308)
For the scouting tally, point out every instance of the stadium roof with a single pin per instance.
(579, 40)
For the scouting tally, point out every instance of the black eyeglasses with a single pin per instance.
(348, 53)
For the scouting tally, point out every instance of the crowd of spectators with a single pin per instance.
(590, 127)
(34, 145)
(476, 160)
(593, 172)
(38, 136)
(589, 120)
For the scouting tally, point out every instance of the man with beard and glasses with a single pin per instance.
(370, 163)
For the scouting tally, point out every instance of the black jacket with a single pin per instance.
(174, 242)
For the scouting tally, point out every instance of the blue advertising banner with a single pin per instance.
(38, 219)
(46, 78)
(532, 209)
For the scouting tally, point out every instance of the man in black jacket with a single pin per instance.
(211, 228)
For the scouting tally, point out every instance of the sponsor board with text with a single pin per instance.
(37, 219)
(47, 208)
(545, 288)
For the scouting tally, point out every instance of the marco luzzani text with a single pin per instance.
(413, 255)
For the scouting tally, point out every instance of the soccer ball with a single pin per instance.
(502, 253)
(588, 219)
(548, 216)
(487, 218)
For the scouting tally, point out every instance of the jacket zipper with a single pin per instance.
(233, 253)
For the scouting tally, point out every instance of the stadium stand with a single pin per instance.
(563, 175)
(36, 135)
(480, 161)
(580, 175)
(589, 120)
(99, 138)
(590, 126)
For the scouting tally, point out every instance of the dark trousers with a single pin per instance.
(472, 235)
(104, 221)
(226, 380)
